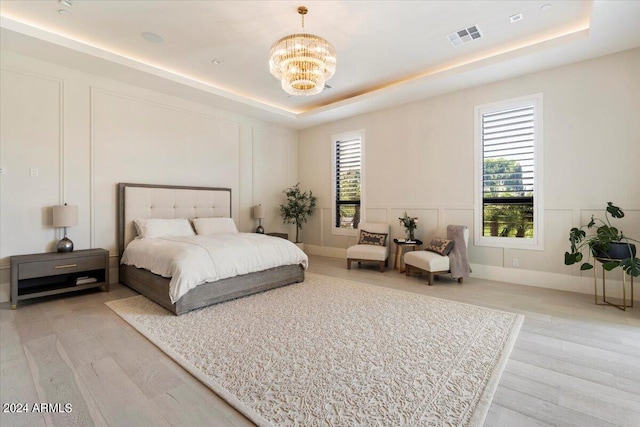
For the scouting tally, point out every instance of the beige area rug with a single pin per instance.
(337, 352)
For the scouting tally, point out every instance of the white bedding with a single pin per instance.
(193, 260)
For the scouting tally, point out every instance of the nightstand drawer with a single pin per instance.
(33, 269)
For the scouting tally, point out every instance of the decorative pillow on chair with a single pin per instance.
(440, 246)
(368, 238)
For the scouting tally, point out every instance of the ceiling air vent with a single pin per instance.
(464, 35)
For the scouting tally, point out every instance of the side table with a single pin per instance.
(51, 273)
(400, 245)
(624, 304)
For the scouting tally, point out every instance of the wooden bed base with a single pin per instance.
(156, 288)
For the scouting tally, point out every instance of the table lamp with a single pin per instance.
(259, 214)
(65, 216)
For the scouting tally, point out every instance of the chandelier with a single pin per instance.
(302, 62)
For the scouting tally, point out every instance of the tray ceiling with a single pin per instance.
(389, 52)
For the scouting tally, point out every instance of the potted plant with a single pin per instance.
(410, 224)
(608, 244)
(298, 208)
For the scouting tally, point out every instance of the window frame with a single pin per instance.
(537, 242)
(334, 141)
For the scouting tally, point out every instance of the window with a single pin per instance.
(348, 183)
(509, 173)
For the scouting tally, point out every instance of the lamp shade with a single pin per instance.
(259, 212)
(65, 216)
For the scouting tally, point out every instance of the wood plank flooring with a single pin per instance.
(574, 363)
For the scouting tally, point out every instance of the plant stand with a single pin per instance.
(624, 304)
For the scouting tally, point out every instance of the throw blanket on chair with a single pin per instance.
(458, 259)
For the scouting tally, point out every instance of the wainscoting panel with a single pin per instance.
(32, 154)
(272, 173)
(146, 142)
(535, 268)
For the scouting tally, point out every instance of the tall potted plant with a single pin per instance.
(298, 207)
(609, 245)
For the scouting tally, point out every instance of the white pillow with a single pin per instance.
(210, 226)
(153, 228)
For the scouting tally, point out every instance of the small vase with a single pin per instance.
(410, 235)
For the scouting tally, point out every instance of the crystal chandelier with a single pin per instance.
(302, 62)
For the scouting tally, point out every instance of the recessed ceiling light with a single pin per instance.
(152, 37)
(64, 12)
(545, 7)
(515, 18)
(216, 61)
(67, 3)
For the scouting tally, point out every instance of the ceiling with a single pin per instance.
(389, 52)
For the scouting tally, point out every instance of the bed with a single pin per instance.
(147, 201)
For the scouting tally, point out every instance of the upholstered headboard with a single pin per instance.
(167, 201)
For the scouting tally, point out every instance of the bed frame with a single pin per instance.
(171, 201)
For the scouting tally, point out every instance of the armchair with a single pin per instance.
(433, 263)
(373, 245)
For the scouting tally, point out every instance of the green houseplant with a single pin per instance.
(298, 207)
(608, 244)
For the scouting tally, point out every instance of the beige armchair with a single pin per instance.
(371, 247)
(433, 263)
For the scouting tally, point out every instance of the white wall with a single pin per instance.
(419, 158)
(85, 134)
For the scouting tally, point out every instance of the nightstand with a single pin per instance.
(52, 273)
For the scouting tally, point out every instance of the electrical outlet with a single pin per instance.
(515, 262)
(33, 172)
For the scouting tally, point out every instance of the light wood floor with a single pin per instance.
(574, 363)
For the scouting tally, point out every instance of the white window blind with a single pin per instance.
(348, 182)
(509, 172)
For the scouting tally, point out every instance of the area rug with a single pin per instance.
(336, 352)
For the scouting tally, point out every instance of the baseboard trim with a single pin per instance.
(325, 251)
(5, 292)
(561, 282)
(540, 279)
